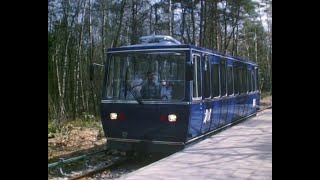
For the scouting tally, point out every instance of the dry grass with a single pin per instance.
(74, 139)
(265, 102)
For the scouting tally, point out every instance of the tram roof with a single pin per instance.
(173, 46)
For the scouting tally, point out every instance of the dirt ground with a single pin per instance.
(75, 140)
(265, 102)
(78, 140)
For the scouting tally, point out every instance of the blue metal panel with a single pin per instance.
(155, 46)
(196, 119)
(242, 99)
(207, 116)
(230, 109)
(214, 59)
(143, 121)
(224, 111)
(215, 115)
(236, 114)
(246, 109)
(252, 102)
(258, 99)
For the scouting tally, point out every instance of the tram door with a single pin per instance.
(197, 105)
(224, 98)
(206, 95)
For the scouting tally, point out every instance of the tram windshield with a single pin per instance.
(146, 76)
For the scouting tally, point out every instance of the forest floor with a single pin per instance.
(265, 102)
(73, 140)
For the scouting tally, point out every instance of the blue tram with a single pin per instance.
(191, 92)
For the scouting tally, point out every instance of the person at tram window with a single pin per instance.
(166, 90)
(149, 89)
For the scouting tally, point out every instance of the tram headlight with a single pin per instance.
(113, 116)
(172, 118)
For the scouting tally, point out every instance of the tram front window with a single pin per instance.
(138, 76)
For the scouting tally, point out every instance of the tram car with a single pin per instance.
(161, 95)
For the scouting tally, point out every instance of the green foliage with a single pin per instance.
(65, 127)
(265, 94)
(53, 127)
(87, 116)
(85, 123)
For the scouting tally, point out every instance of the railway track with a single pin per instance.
(109, 160)
(112, 164)
(100, 169)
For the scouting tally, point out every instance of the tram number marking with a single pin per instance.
(207, 116)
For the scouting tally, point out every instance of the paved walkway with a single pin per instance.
(243, 151)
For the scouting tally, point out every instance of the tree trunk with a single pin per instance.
(201, 24)
(123, 3)
(170, 19)
(193, 23)
(183, 24)
(225, 28)
(93, 96)
(78, 89)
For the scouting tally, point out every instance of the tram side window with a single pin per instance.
(257, 79)
(236, 79)
(114, 79)
(253, 81)
(244, 77)
(206, 78)
(230, 80)
(223, 77)
(196, 77)
(215, 79)
(250, 80)
(240, 80)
